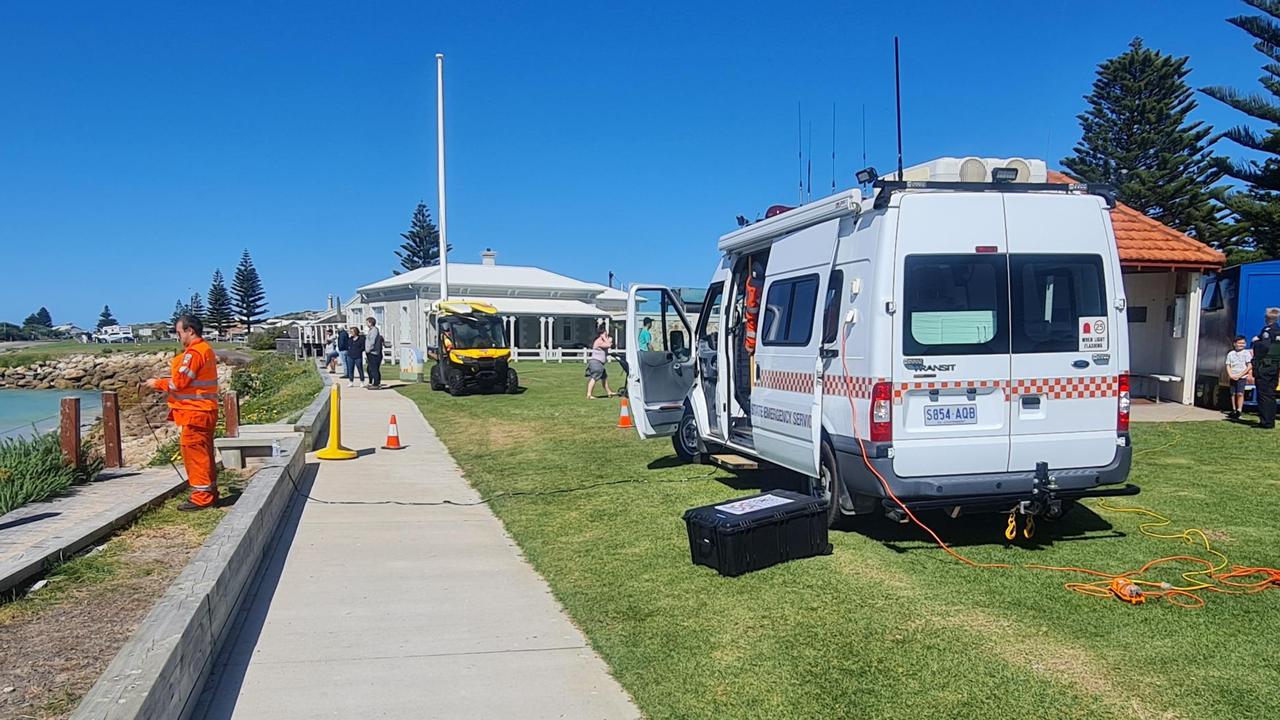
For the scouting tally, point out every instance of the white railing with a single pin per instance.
(551, 354)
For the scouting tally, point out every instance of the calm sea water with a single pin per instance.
(20, 409)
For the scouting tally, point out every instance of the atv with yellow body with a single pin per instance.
(471, 349)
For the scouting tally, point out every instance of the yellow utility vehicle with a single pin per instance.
(468, 341)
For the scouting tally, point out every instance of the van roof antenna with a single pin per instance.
(800, 151)
(864, 134)
(897, 97)
(809, 167)
(833, 147)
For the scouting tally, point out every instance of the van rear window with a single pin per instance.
(956, 304)
(1050, 293)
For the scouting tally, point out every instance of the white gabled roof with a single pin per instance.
(476, 275)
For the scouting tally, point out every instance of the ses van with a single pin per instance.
(957, 338)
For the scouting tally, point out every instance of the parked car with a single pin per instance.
(115, 334)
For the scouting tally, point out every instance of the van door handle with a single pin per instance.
(1080, 364)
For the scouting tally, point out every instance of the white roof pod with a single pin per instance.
(973, 169)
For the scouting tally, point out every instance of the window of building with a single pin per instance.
(788, 310)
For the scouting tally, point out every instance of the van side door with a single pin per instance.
(786, 406)
(660, 360)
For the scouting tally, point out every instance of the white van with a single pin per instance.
(955, 336)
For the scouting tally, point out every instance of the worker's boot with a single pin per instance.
(188, 506)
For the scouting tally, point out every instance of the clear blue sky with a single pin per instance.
(143, 145)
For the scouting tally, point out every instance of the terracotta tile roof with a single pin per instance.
(1150, 243)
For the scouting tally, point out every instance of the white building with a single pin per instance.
(548, 316)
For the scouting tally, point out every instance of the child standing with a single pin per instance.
(1240, 370)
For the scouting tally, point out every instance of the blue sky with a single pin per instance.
(143, 145)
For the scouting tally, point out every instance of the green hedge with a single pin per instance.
(31, 470)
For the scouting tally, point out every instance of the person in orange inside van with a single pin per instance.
(191, 391)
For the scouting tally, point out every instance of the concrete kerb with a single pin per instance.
(161, 669)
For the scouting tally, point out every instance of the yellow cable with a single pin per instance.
(1192, 536)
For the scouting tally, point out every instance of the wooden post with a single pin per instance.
(231, 411)
(69, 433)
(114, 456)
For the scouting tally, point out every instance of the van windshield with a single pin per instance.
(956, 305)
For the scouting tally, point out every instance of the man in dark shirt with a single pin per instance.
(1266, 368)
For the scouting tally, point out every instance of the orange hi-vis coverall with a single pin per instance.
(192, 393)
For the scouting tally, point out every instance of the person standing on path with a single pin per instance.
(355, 357)
(373, 353)
(1266, 368)
(191, 391)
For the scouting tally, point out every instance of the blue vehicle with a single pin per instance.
(1233, 303)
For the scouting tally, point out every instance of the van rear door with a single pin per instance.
(951, 336)
(1064, 331)
(660, 361)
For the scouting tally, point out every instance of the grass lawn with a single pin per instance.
(888, 626)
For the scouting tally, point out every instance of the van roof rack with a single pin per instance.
(888, 187)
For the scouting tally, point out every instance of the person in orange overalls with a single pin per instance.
(191, 391)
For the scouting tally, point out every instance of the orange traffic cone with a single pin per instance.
(393, 436)
(624, 414)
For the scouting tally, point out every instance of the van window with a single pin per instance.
(955, 305)
(1050, 293)
(788, 310)
(709, 319)
(831, 311)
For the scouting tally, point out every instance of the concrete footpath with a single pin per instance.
(402, 611)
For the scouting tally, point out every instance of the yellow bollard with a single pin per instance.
(334, 450)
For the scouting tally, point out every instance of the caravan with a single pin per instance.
(957, 341)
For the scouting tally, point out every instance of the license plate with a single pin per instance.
(951, 415)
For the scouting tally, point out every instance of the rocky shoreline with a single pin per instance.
(143, 415)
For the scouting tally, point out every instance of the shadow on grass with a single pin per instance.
(1079, 524)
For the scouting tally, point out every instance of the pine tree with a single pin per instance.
(105, 319)
(1258, 206)
(1137, 136)
(179, 309)
(195, 306)
(421, 247)
(44, 318)
(248, 297)
(218, 313)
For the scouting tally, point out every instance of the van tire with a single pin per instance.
(685, 441)
(830, 487)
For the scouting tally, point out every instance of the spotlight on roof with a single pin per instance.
(867, 176)
(1004, 174)
(743, 222)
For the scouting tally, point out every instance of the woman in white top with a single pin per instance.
(600, 348)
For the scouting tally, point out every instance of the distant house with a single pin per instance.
(1162, 269)
(547, 315)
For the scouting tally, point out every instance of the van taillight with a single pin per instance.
(882, 412)
(1122, 408)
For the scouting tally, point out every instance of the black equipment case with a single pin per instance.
(751, 533)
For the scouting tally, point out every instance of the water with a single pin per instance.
(20, 409)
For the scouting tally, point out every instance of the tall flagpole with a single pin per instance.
(444, 244)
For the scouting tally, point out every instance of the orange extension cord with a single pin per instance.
(1128, 586)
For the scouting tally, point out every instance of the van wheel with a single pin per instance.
(685, 441)
(832, 489)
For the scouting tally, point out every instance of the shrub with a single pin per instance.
(266, 339)
(31, 470)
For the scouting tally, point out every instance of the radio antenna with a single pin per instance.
(897, 97)
(800, 152)
(833, 147)
(864, 134)
(809, 168)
